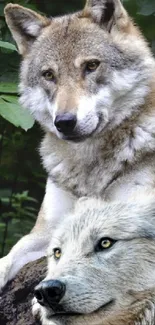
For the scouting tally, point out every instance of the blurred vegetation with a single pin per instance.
(22, 179)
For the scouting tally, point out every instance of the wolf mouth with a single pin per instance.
(74, 138)
(81, 137)
(73, 314)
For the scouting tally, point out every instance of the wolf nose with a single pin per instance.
(65, 123)
(49, 293)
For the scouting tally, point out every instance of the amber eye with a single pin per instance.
(57, 253)
(49, 75)
(105, 243)
(92, 66)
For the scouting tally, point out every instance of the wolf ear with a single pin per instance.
(25, 25)
(106, 13)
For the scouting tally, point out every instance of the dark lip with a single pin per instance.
(74, 138)
(66, 314)
(71, 314)
(77, 139)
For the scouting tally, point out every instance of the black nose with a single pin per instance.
(65, 123)
(49, 293)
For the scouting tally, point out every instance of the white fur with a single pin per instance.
(36, 100)
(57, 203)
(128, 90)
(32, 28)
(86, 116)
(93, 278)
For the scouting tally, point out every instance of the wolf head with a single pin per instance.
(95, 258)
(81, 73)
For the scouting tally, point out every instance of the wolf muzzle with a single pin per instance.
(49, 293)
(65, 123)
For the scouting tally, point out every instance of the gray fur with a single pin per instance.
(116, 149)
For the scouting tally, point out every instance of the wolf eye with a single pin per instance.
(48, 75)
(105, 243)
(57, 253)
(92, 66)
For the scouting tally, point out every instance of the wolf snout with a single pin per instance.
(49, 293)
(65, 123)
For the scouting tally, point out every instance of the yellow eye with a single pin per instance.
(49, 75)
(92, 66)
(57, 253)
(105, 243)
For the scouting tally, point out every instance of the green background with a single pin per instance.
(22, 179)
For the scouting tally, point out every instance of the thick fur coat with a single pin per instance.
(104, 255)
(88, 79)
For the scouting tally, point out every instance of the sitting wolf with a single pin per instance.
(89, 80)
(101, 253)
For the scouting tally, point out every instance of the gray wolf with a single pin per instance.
(89, 79)
(97, 259)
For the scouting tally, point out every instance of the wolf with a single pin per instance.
(88, 78)
(101, 266)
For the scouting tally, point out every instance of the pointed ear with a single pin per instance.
(106, 13)
(25, 25)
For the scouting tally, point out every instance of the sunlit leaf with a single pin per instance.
(15, 114)
(8, 46)
(8, 88)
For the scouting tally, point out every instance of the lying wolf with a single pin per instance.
(95, 258)
(89, 80)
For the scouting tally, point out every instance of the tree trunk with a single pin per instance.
(15, 302)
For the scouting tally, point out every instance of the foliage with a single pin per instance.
(20, 171)
(21, 176)
(16, 206)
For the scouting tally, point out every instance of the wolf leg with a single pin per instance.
(56, 204)
(29, 248)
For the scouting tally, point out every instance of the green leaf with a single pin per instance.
(2, 225)
(8, 46)
(5, 200)
(30, 214)
(8, 88)
(31, 199)
(31, 209)
(147, 7)
(15, 114)
(10, 98)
